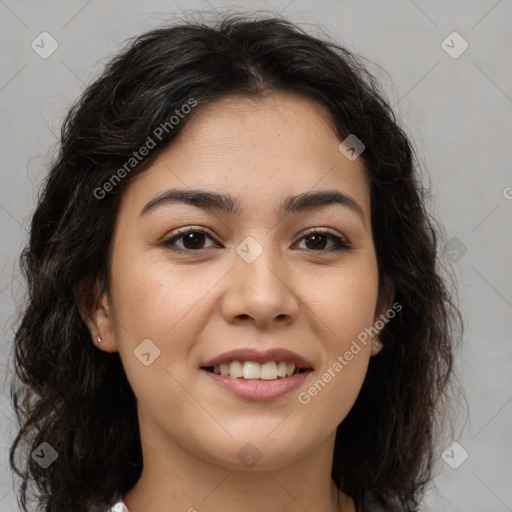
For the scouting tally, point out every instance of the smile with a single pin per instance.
(257, 375)
(250, 370)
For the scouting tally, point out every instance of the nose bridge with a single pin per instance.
(261, 284)
(258, 262)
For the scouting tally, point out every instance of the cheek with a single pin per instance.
(153, 298)
(153, 304)
(346, 304)
(343, 309)
(338, 380)
(168, 306)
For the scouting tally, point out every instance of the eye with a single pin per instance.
(316, 241)
(192, 238)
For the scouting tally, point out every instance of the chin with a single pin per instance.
(258, 452)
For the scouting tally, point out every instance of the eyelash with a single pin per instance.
(340, 243)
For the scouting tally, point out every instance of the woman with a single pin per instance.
(234, 297)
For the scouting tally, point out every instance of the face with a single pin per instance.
(263, 272)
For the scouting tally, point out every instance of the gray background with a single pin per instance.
(457, 110)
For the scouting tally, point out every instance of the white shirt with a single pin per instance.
(119, 506)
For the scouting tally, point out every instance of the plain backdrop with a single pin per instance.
(452, 94)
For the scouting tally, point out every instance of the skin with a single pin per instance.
(196, 305)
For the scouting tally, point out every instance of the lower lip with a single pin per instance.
(257, 389)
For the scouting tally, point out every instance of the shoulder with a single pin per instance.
(118, 506)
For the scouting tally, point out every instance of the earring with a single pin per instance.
(99, 339)
(377, 344)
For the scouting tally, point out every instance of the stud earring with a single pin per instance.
(377, 344)
(99, 339)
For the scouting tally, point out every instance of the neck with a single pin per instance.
(175, 479)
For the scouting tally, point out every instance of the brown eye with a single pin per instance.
(317, 241)
(192, 239)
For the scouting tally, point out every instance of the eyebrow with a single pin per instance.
(215, 201)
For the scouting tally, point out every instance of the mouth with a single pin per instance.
(251, 370)
(250, 364)
(256, 387)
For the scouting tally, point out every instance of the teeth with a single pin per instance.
(251, 370)
(282, 368)
(236, 369)
(268, 371)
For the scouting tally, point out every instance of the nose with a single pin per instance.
(261, 291)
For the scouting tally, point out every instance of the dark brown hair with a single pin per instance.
(77, 399)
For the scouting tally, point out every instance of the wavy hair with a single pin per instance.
(76, 398)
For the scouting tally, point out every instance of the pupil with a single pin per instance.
(193, 238)
(317, 243)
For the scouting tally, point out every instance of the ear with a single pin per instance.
(384, 304)
(96, 312)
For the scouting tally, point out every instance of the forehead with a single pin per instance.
(257, 150)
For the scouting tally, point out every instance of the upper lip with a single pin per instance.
(260, 356)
